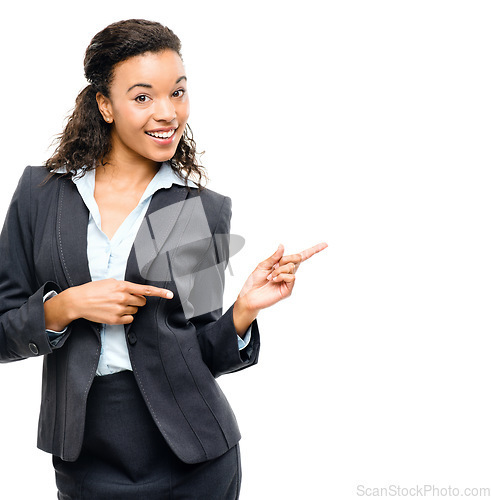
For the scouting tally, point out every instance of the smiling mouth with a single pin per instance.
(162, 135)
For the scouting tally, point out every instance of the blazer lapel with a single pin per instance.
(148, 243)
(71, 236)
(171, 200)
(71, 230)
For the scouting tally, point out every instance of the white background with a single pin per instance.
(365, 124)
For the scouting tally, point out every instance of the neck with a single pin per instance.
(127, 174)
(126, 169)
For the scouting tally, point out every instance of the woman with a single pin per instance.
(113, 264)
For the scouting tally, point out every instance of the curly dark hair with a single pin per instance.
(86, 138)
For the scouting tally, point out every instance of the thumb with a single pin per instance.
(271, 261)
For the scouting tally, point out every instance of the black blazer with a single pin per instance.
(43, 246)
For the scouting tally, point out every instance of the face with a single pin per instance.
(148, 107)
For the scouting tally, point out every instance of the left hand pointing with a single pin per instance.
(273, 278)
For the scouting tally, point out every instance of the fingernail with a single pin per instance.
(269, 277)
(170, 295)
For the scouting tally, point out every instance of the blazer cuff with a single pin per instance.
(27, 325)
(244, 342)
(219, 345)
(248, 355)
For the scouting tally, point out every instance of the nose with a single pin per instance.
(164, 110)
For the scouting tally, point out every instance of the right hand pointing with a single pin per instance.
(109, 301)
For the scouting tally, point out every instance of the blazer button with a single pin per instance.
(132, 338)
(33, 348)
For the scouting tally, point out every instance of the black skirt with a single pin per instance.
(125, 457)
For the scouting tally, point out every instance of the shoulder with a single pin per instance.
(41, 175)
(37, 176)
(215, 204)
(37, 187)
(25, 200)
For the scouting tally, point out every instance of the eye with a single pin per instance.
(178, 93)
(142, 98)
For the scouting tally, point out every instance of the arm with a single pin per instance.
(219, 335)
(271, 281)
(22, 327)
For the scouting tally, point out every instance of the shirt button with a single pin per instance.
(33, 348)
(132, 338)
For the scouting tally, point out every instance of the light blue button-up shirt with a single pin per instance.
(108, 258)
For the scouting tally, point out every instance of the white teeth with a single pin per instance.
(162, 135)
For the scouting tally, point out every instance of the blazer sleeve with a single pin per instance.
(22, 327)
(216, 332)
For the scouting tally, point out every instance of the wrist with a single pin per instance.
(59, 311)
(243, 316)
(70, 303)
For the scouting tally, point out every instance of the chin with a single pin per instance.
(162, 156)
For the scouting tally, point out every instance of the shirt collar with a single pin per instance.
(164, 178)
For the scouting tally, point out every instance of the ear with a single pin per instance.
(104, 107)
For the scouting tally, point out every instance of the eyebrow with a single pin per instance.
(148, 86)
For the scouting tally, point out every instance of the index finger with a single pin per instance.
(306, 254)
(154, 291)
